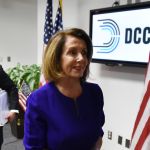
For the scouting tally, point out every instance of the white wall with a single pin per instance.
(122, 87)
(18, 32)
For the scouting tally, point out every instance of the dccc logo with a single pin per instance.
(110, 36)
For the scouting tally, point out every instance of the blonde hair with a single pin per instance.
(51, 65)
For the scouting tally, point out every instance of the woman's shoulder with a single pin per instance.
(42, 92)
(90, 85)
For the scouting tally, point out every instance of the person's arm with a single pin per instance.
(8, 85)
(35, 129)
(100, 104)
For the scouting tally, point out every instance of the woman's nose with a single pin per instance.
(80, 57)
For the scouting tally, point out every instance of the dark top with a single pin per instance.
(7, 84)
(58, 122)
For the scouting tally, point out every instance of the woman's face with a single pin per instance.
(74, 57)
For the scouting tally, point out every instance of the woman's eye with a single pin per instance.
(84, 52)
(73, 52)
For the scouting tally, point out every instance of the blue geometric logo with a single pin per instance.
(111, 36)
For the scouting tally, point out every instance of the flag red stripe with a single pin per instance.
(142, 108)
(143, 136)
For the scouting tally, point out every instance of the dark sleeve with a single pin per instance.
(100, 104)
(34, 125)
(7, 84)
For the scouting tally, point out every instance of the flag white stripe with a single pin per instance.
(146, 145)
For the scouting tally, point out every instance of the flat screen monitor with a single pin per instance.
(121, 34)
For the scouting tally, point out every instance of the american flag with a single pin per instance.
(48, 27)
(58, 20)
(141, 132)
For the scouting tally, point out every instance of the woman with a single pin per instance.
(66, 113)
(7, 84)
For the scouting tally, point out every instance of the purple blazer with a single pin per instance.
(57, 122)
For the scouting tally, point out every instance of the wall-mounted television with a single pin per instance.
(121, 34)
